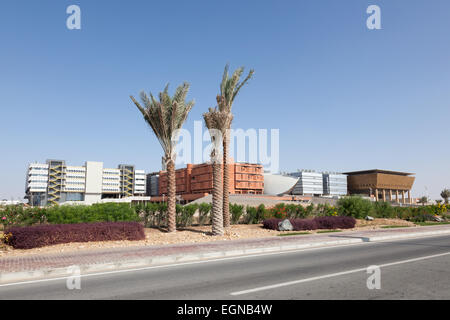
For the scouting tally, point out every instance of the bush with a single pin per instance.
(203, 213)
(325, 210)
(335, 222)
(304, 224)
(251, 215)
(261, 213)
(236, 212)
(18, 215)
(313, 224)
(100, 212)
(383, 209)
(271, 223)
(355, 207)
(422, 217)
(45, 235)
(256, 215)
(185, 214)
(279, 211)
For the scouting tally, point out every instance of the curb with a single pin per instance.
(60, 273)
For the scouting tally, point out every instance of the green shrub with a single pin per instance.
(325, 210)
(261, 213)
(101, 212)
(355, 207)
(279, 211)
(251, 215)
(188, 214)
(204, 210)
(300, 212)
(383, 209)
(236, 212)
(309, 210)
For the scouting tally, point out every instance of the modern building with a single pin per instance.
(54, 182)
(381, 184)
(153, 184)
(309, 183)
(196, 180)
(334, 184)
(305, 183)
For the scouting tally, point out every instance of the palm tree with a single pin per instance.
(165, 117)
(445, 194)
(217, 121)
(229, 88)
(423, 200)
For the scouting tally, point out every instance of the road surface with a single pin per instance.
(409, 269)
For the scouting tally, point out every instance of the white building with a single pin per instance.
(305, 182)
(334, 184)
(309, 183)
(55, 182)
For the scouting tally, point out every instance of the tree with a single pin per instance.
(445, 194)
(166, 117)
(217, 121)
(229, 88)
(423, 200)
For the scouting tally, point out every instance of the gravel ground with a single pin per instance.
(194, 234)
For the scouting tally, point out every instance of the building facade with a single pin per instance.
(382, 185)
(55, 182)
(196, 180)
(306, 183)
(334, 184)
(309, 183)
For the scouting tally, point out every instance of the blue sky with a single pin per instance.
(344, 97)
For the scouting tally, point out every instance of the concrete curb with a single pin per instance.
(59, 273)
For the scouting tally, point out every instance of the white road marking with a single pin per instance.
(189, 263)
(214, 260)
(290, 283)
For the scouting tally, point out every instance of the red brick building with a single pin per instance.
(196, 180)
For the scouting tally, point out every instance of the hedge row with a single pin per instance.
(46, 235)
(358, 207)
(313, 224)
(67, 214)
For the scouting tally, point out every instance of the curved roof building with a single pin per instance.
(276, 184)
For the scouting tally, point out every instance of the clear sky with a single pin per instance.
(344, 97)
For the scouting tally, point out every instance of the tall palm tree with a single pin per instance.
(229, 88)
(165, 117)
(217, 122)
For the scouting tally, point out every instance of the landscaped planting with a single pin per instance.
(313, 224)
(67, 214)
(46, 235)
(155, 215)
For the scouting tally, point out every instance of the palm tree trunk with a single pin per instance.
(226, 181)
(217, 200)
(171, 197)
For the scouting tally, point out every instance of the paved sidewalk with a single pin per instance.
(48, 265)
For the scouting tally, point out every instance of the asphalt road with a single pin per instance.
(329, 273)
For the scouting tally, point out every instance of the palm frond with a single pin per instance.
(230, 87)
(166, 115)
